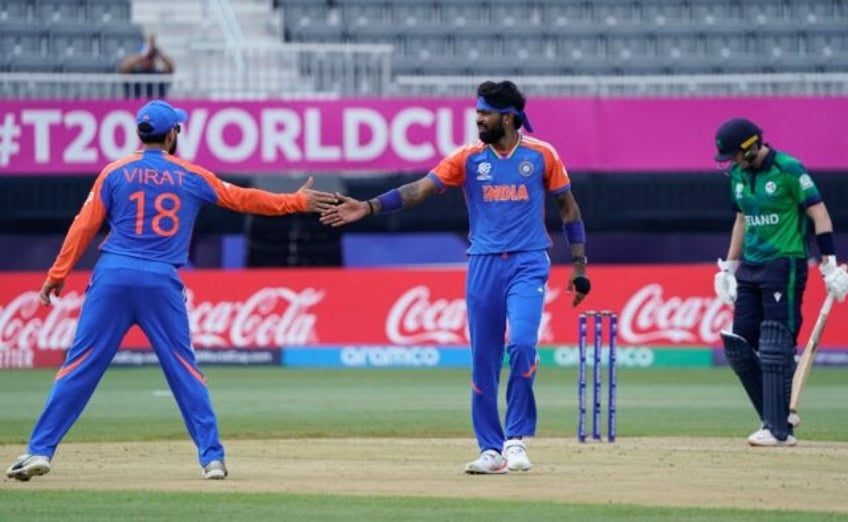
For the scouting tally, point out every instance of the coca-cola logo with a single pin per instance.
(24, 326)
(271, 317)
(650, 317)
(416, 318)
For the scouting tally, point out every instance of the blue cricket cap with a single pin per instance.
(160, 116)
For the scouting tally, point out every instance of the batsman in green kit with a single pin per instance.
(777, 208)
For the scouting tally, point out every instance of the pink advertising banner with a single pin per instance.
(381, 135)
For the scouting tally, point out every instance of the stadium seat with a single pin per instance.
(59, 10)
(516, 15)
(300, 15)
(530, 46)
(641, 64)
(728, 44)
(831, 63)
(574, 46)
(780, 42)
(464, 15)
(72, 39)
(769, 10)
(740, 63)
(413, 15)
(88, 64)
(820, 9)
(677, 44)
(27, 38)
(425, 47)
(624, 44)
(318, 33)
(107, 11)
(561, 14)
(119, 40)
(540, 65)
(612, 13)
(472, 46)
(664, 13)
(13, 10)
(716, 12)
(34, 63)
(617, 36)
(827, 42)
(362, 15)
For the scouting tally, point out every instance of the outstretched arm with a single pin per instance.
(407, 195)
(257, 201)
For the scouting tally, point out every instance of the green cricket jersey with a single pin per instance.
(774, 200)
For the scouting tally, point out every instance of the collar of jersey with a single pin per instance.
(511, 152)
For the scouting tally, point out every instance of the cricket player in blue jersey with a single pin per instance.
(505, 177)
(150, 200)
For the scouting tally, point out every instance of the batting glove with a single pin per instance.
(725, 281)
(835, 277)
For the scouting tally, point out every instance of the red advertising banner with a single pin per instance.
(658, 305)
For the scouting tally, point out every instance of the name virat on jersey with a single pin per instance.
(154, 177)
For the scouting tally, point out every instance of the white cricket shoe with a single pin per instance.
(490, 462)
(28, 466)
(215, 470)
(763, 438)
(516, 455)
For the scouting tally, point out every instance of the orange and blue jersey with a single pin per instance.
(508, 271)
(151, 200)
(505, 193)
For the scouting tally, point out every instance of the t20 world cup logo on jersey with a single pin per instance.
(484, 171)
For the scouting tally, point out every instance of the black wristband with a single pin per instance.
(370, 207)
(826, 245)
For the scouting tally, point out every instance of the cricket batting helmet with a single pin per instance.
(735, 135)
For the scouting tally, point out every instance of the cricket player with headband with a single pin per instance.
(505, 177)
(765, 271)
(150, 200)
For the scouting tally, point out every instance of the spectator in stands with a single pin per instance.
(505, 177)
(149, 60)
(765, 271)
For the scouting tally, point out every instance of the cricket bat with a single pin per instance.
(806, 361)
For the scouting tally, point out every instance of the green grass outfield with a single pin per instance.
(254, 403)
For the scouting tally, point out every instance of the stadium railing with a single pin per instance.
(322, 73)
(806, 84)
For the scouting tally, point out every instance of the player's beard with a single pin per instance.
(492, 135)
(173, 148)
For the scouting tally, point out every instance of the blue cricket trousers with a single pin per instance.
(125, 291)
(770, 291)
(504, 291)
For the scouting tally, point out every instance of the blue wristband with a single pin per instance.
(390, 201)
(574, 232)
